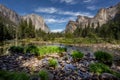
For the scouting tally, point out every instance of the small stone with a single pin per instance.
(73, 77)
(79, 78)
(4, 68)
(88, 55)
(108, 76)
(68, 62)
(75, 72)
(95, 77)
(113, 66)
(20, 57)
(54, 56)
(118, 67)
(83, 69)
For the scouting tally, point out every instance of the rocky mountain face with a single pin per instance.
(11, 15)
(37, 21)
(102, 17)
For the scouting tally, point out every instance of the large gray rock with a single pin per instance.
(103, 15)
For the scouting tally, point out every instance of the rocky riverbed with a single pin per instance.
(67, 68)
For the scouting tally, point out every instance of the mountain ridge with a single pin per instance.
(102, 17)
(10, 14)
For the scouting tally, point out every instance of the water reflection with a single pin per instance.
(85, 49)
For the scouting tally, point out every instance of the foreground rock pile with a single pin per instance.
(67, 69)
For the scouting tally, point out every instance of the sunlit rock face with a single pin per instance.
(102, 16)
(11, 15)
(71, 26)
(37, 21)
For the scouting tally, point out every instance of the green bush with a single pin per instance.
(104, 57)
(16, 49)
(43, 75)
(99, 68)
(32, 49)
(53, 63)
(62, 49)
(77, 55)
(115, 74)
(50, 49)
(5, 75)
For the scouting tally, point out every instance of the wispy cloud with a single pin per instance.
(52, 10)
(71, 13)
(58, 20)
(92, 7)
(52, 20)
(87, 1)
(69, 1)
(57, 30)
(46, 10)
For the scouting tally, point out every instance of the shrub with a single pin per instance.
(104, 57)
(43, 75)
(53, 63)
(5, 75)
(16, 49)
(77, 55)
(50, 49)
(62, 49)
(32, 49)
(99, 68)
(115, 74)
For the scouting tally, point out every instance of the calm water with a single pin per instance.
(85, 49)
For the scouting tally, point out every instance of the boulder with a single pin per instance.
(108, 76)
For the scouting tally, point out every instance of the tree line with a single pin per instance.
(24, 30)
(110, 30)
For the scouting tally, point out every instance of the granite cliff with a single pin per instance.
(103, 16)
(15, 18)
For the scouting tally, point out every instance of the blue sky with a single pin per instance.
(57, 13)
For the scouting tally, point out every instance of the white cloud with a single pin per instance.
(71, 13)
(57, 30)
(65, 1)
(87, 1)
(56, 20)
(68, 1)
(46, 10)
(51, 20)
(52, 10)
(91, 7)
